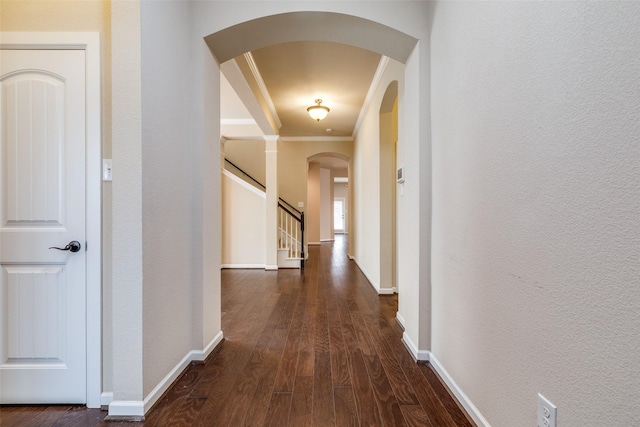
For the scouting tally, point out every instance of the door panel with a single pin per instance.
(42, 205)
(33, 105)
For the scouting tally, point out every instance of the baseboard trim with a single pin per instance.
(386, 291)
(377, 289)
(246, 266)
(464, 400)
(418, 355)
(271, 267)
(106, 398)
(313, 243)
(126, 410)
(200, 355)
(427, 356)
(400, 320)
(135, 409)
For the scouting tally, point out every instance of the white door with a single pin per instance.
(338, 215)
(42, 205)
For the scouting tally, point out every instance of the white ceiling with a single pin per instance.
(268, 90)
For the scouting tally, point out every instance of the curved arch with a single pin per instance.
(321, 168)
(230, 42)
(389, 98)
(328, 154)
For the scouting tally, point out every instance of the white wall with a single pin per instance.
(536, 233)
(127, 335)
(244, 216)
(166, 189)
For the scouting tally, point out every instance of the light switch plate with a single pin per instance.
(107, 171)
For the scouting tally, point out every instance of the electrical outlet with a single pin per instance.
(547, 412)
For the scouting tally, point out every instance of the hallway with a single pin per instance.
(317, 347)
(312, 347)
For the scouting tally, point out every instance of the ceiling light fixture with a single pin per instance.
(318, 112)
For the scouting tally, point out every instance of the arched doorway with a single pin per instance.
(414, 150)
(388, 166)
(179, 107)
(322, 169)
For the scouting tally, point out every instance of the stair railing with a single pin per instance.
(290, 222)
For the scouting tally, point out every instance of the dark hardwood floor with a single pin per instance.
(316, 347)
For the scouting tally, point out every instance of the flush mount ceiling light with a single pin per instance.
(318, 112)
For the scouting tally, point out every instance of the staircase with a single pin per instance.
(290, 244)
(290, 232)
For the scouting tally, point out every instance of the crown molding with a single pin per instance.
(377, 77)
(316, 138)
(263, 87)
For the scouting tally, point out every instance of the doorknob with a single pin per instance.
(73, 246)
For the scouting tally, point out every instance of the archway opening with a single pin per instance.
(388, 177)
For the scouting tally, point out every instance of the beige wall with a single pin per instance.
(91, 16)
(248, 155)
(244, 225)
(292, 162)
(292, 165)
(388, 139)
(313, 204)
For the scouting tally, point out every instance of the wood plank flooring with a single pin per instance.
(316, 347)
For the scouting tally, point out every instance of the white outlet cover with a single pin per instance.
(547, 412)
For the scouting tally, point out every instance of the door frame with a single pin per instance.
(90, 43)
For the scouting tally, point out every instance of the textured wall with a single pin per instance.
(167, 167)
(536, 207)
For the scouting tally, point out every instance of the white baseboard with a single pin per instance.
(400, 320)
(351, 257)
(377, 289)
(246, 266)
(271, 267)
(130, 409)
(106, 398)
(203, 354)
(126, 409)
(386, 291)
(418, 355)
(464, 400)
